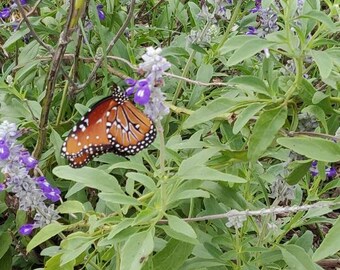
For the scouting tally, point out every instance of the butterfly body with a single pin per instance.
(113, 124)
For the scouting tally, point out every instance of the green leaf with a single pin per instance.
(204, 74)
(247, 50)
(118, 198)
(119, 227)
(6, 261)
(298, 173)
(189, 194)
(143, 179)
(136, 250)
(245, 115)
(212, 110)
(250, 83)
(296, 258)
(71, 207)
(324, 63)
(330, 245)
(89, 177)
(321, 17)
(233, 43)
(205, 173)
(172, 256)
(45, 233)
(265, 130)
(15, 36)
(180, 226)
(29, 52)
(179, 236)
(5, 240)
(314, 148)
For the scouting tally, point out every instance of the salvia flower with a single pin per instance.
(5, 13)
(235, 220)
(330, 171)
(147, 91)
(32, 193)
(26, 229)
(100, 12)
(281, 191)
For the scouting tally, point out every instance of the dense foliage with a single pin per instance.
(244, 172)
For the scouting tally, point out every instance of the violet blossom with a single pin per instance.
(330, 171)
(147, 91)
(100, 12)
(32, 193)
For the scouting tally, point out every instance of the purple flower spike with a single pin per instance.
(4, 150)
(142, 96)
(53, 194)
(129, 91)
(331, 172)
(251, 31)
(130, 81)
(28, 161)
(5, 13)
(26, 229)
(100, 12)
(2, 187)
(23, 2)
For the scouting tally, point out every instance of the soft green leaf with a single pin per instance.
(324, 62)
(44, 234)
(314, 148)
(90, 177)
(71, 207)
(29, 52)
(233, 43)
(136, 250)
(298, 173)
(213, 109)
(250, 83)
(204, 74)
(321, 17)
(118, 198)
(172, 256)
(247, 50)
(297, 258)
(180, 226)
(330, 245)
(245, 116)
(265, 130)
(5, 240)
(189, 194)
(205, 173)
(17, 35)
(6, 260)
(179, 236)
(143, 179)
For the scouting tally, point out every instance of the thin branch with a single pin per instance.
(30, 12)
(261, 212)
(30, 27)
(168, 74)
(51, 82)
(312, 134)
(110, 46)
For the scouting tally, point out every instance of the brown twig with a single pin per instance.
(30, 12)
(312, 134)
(30, 27)
(168, 74)
(50, 83)
(110, 46)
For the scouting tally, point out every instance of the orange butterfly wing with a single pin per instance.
(113, 124)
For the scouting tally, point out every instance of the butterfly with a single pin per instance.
(114, 124)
